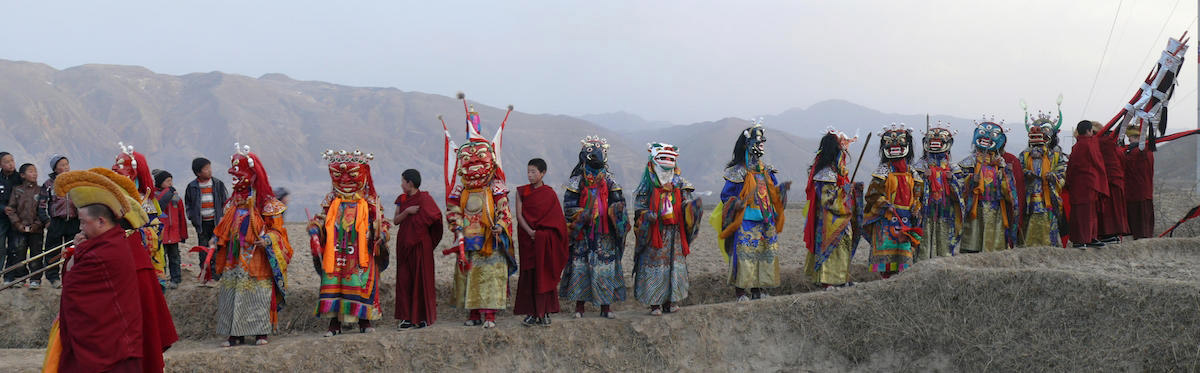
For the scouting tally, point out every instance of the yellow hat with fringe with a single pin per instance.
(135, 215)
(86, 188)
(122, 181)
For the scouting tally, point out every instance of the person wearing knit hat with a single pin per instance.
(62, 215)
(173, 219)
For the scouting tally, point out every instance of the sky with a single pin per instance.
(678, 61)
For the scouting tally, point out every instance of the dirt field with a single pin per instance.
(1130, 307)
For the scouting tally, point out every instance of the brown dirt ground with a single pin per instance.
(1124, 308)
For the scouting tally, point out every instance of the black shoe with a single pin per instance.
(405, 325)
(1096, 243)
(544, 321)
(1080, 246)
(1113, 239)
(421, 325)
(529, 321)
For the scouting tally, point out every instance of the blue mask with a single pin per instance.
(989, 136)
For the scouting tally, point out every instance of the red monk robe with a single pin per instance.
(1139, 191)
(543, 256)
(100, 318)
(1112, 215)
(1087, 183)
(157, 324)
(417, 237)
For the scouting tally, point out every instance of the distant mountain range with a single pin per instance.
(84, 111)
(624, 122)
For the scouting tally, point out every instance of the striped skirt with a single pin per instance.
(243, 305)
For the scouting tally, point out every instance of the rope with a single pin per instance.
(1154, 47)
(1102, 55)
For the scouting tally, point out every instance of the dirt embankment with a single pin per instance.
(1130, 307)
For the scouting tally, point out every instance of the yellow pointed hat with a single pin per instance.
(135, 215)
(86, 188)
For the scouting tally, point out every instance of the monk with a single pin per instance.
(542, 244)
(1113, 221)
(420, 229)
(157, 325)
(1087, 182)
(100, 318)
(1139, 185)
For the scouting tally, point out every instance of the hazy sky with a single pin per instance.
(680, 61)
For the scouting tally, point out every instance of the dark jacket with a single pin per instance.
(52, 206)
(7, 184)
(22, 208)
(191, 201)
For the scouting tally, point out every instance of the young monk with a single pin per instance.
(1087, 183)
(420, 229)
(542, 244)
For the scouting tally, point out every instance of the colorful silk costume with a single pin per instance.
(1045, 168)
(134, 166)
(352, 232)
(594, 205)
(990, 193)
(891, 208)
(753, 203)
(830, 234)
(477, 213)
(667, 219)
(252, 252)
(941, 212)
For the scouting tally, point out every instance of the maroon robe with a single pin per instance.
(100, 315)
(418, 236)
(543, 256)
(1018, 171)
(1139, 192)
(1112, 215)
(157, 324)
(1087, 183)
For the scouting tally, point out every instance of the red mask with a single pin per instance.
(348, 177)
(125, 166)
(476, 164)
(133, 165)
(241, 173)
